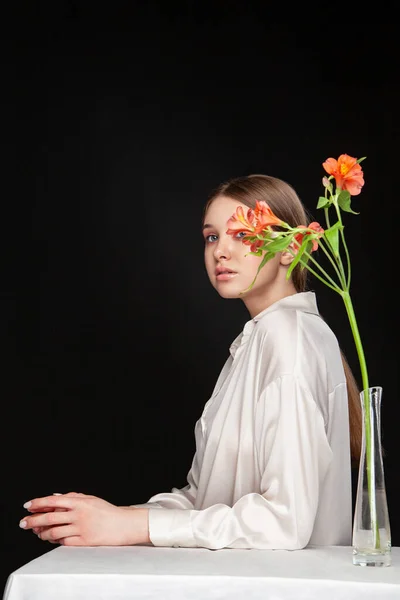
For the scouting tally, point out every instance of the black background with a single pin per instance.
(116, 126)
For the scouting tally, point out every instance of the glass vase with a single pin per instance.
(371, 528)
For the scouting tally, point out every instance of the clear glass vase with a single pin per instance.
(371, 526)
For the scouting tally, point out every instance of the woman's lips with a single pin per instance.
(226, 276)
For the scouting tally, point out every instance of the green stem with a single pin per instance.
(344, 245)
(329, 252)
(333, 286)
(327, 221)
(367, 416)
(328, 279)
(357, 339)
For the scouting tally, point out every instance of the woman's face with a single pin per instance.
(230, 267)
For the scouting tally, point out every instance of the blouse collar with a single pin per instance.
(302, 301)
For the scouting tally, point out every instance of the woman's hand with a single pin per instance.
(79, 520)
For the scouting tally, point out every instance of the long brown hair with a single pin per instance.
(286, 204)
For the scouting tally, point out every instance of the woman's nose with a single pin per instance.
(222, 250)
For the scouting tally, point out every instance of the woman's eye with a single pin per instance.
(211, 238)
(241, 234)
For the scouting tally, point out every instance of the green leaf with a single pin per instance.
(332, 235)
(279, 244)
(298, 256)
(322, 202)
(361, 159)
(344, 201)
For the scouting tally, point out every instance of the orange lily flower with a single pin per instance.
(265, 216)
(255, 221)
(347, 173)
(315, 227)
(253, 245)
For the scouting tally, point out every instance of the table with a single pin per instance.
(146, 572)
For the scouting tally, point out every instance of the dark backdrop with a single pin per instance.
(115, 129)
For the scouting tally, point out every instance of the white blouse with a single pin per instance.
(272, 463)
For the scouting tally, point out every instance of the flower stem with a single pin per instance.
(357, 339)
(338, 268)
(344, 245)
(369, 445)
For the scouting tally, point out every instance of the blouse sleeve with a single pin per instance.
(293, 454)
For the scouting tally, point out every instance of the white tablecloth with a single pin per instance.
(146, 572)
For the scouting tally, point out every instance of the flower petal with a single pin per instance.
(347, 172)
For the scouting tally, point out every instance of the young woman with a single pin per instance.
(272, 467)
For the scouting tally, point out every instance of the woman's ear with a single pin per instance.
(286, 258)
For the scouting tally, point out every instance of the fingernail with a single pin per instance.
(27, 504)
(22, 524)
(56, 494)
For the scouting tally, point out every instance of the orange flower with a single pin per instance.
(316, 228)
(239, 222)
(347, 173)
(255, 221)
(253, 245)
(265, 216)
